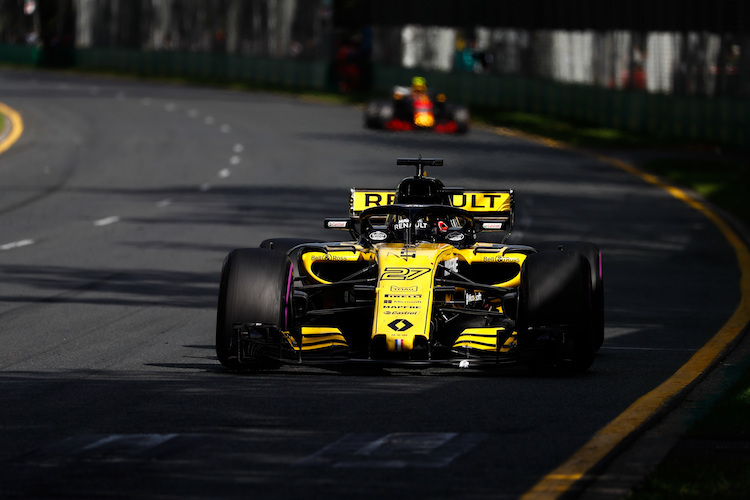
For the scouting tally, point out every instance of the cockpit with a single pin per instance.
(412, 224)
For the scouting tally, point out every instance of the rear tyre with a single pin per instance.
(594, 257)
(555, 295)
(461, 117)
(255, 287)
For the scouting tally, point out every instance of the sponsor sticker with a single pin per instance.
(501, 258)
(482, 201)
(361, 200)
(329, 257)
(378, 236)
(400, 325)
(337, 224)
(403, 273)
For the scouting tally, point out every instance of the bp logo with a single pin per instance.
(400, 325)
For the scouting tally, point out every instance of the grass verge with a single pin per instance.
(713, 460)
(725, 183)
(574, 134)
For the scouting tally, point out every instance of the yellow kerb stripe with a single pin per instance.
(16, 127)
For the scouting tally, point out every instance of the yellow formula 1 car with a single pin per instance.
(413, 287)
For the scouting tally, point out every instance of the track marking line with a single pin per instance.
(112, 448)
(653, 349)
(605, 444)
(395, 450)
(107, 221)
(16, 244)
(138, 442)
(16, 127)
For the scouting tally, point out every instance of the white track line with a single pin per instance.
(16, 244)
(107, 221)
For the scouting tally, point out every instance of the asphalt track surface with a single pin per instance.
(118, 204)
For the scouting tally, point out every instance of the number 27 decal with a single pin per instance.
(403, 273)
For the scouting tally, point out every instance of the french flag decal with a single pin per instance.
(399, 344)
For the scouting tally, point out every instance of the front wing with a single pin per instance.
(352, 305)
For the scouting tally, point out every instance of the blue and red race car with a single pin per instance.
(414, 108)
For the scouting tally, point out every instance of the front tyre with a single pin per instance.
(594, 257)
(555, 297)
(255, 287)
(377, 113)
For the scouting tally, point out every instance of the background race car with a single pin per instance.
(414, 286)
(417, 109)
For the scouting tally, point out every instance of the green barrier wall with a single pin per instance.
(286, 73)
(721, 121)
(20, 54)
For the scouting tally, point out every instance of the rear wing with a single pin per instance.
(493, 210)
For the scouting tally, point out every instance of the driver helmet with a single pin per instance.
(431, 228)
(418, 84)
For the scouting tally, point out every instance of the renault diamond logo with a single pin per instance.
(400, 325)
